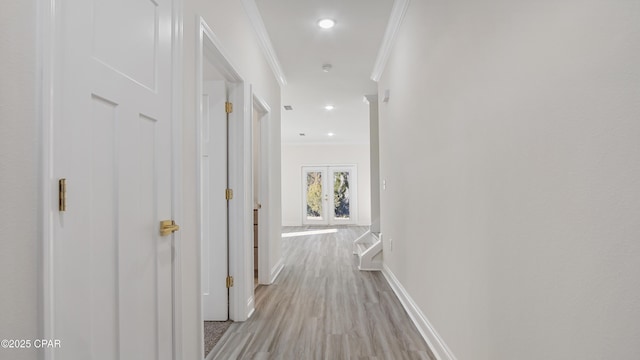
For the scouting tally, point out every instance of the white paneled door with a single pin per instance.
(329, 195)
(215, 295)
(112, 269)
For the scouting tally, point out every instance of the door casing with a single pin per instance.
(241, 299)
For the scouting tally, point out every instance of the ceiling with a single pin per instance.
(302, 47)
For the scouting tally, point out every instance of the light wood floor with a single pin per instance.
(322, 307)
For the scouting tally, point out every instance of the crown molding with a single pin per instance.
(395, 20)
(264, 40)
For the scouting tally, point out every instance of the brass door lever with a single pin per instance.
(168, 227)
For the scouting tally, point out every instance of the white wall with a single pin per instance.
(229, 22)
(295, 156)
(511, 151)
(374, 162)
(19, 239)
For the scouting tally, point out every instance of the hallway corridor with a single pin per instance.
(322, 307)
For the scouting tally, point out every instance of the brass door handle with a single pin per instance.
(168, 227)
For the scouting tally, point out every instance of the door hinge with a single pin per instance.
(228, 194)
(229, 281)
(228, 107)
(62, 195)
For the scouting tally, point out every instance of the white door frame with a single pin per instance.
(264, 258)
(48, 111)
(241, 301)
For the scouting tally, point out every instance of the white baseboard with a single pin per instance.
(430, 335)
(277, 268)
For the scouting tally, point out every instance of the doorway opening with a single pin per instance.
(218, 82)
(223, 177)
(260, 176)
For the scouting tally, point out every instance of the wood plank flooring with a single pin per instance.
(322, 307)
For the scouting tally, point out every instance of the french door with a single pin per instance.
(329, 195)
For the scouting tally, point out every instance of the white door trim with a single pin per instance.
(45, 65)
(47, 51)
(240, 207)
(177, 180)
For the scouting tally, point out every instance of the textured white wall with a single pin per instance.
(229, 22)
(295, 156)
(19, 306)
(511, 151)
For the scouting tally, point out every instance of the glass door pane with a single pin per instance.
(343, 198)
(314, 195)
(341, 195)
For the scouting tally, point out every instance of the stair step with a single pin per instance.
(362, 247)
(368, 247)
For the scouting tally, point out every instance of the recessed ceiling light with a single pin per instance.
(330, 134)
(302, 134)
(326, 67)
(329, 107)
(326, 23)
(288, 107)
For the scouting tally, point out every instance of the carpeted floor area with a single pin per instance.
(213, 331)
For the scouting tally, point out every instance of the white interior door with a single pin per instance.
(215, 295)
(112, 271)
(329, 195)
